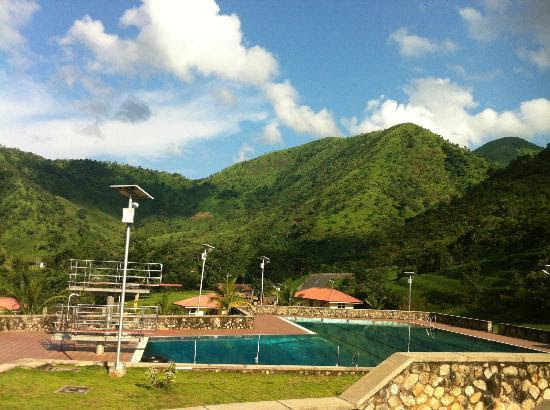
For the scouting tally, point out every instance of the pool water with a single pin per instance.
(344, 344)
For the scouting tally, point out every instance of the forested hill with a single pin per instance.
(486, 248)
(503, 150)
(317, 204)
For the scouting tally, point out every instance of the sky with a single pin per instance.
(195, 86)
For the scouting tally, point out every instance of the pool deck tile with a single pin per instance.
(258, 405)
(38, 345)
(329, 403)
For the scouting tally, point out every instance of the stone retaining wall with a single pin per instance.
(455, 381)
(14, 323)
(521, 332)
(205, 322)
(305, 311)
(28, 323)
(465, 322)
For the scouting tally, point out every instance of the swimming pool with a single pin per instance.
(332, 343)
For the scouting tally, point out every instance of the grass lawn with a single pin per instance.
(35, 388)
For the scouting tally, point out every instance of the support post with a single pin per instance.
(119, 367)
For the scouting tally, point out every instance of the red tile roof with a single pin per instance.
(208, 301)
(326, 295)
(8, 303)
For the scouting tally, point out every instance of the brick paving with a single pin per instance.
(38, 345)
(263, 325)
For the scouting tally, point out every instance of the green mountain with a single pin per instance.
(503, 150)
(484, 250)
(375, 204)
(308, 207)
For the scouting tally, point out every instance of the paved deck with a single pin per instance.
(263, 325)
(38, 345)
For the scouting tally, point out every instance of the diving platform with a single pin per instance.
(99, 323)
(87, 275)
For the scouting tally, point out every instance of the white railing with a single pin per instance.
(88, 273)
(103, 319)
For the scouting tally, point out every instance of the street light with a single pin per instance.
(204, 254)
(278, 289)
(264, 260)
(131, 192)
(545, 271)
(410, 281)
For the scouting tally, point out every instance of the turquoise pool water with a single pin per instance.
(345, 344)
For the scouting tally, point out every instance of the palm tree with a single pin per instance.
(29, 288)
(227, 294)
(288, 289)
(165, 305)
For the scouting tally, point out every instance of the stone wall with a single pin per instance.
(455, 381)
(521, 332)
(465, 322)
(27, 323)
(339, 313)
(205, 322)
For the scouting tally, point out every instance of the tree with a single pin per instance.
(227, 294)
(29, 288)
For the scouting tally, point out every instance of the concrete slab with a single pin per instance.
(257, 405)
(328, 403)
(381, 375)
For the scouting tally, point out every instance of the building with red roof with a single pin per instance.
(326, 297)
(9, 303)
(209, 305)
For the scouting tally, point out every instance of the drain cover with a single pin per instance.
(50, 368)
(74, 389)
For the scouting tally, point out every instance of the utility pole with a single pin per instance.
(410, 281)
(204, 254)
(129, 191)
(264, 260)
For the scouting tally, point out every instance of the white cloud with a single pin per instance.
(244, 153)
(300, 118)
(14, 14)
(527, 20)
(32, 120)
(271, 135)
(178, 37)
(411, 45)
(447, 109)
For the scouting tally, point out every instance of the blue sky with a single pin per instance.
(195, 86)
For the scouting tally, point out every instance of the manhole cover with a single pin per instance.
(74, 389)
(50, 368)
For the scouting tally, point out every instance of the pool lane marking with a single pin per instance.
(309, 332)
(140, 348)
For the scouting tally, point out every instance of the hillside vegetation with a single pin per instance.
(373, 204)
(502, 151)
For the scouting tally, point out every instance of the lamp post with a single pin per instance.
(278, 289)
(410, 281)
(131, 192)
(204, 254)
(264, 260)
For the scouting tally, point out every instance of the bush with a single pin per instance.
(164, 378)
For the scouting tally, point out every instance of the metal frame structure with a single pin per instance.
(106, 276)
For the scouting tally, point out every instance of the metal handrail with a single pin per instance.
(87, 272)
(84, 318)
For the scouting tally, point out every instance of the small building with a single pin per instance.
(9, 304)
(326, 297)
(209, 305)
(245, 290)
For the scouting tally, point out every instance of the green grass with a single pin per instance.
(30, 389)
(156, 297)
